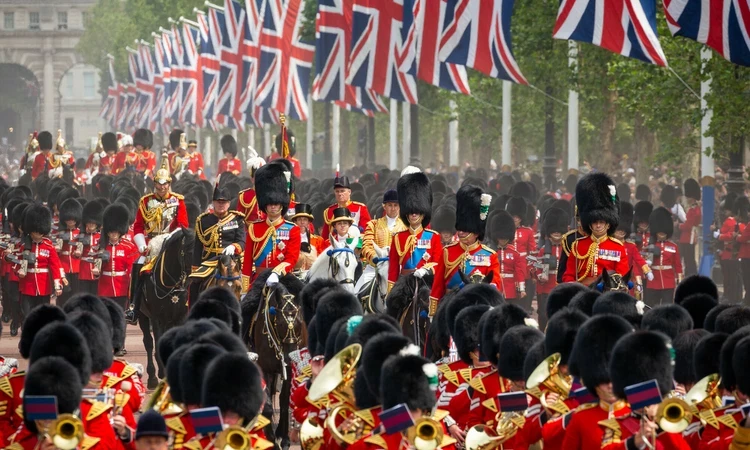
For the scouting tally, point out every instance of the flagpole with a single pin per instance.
(506, 134)
(310, 132)
(251, 136)
(266, 141)
(405, 134)
(453, 133)
(708, 205)
(573, 110)
(393, 159)
(335, 143)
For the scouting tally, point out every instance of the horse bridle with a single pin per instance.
(333, 263)
(290, 312)
(179, 284)
(219, 277)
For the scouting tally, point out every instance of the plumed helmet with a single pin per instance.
(596, 198)
(144, 138)
(692, 189)
(272, 187)
(660, 221)
(415, 197)
(37, 219)
(71, 209)
(229, 144)
(472, 209)
(116, 218)
(93, 212)
(555, 220)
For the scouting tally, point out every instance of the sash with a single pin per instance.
(479, 259)
(419, 251)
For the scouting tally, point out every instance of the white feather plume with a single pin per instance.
(410, 169)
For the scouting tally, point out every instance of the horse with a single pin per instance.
(337, 263)
(610, 280)
(408, 302)
(273, 327)
(164, 304)
(227, 272)
(373, 292)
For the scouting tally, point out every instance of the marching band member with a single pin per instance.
(667, 267)
(467, 257)
(121, 372)
(143, 140)
(343, 192)
(377, 238)
(67, 246)
(273, 243)
(416, 250)
(524, 241)
(598, 206)
(230, 162)
(195, 166)
(554, 226)
(311, 245)
(92, 219)
(512, 282)
(41, 158)
(114, 278)
(689, 228)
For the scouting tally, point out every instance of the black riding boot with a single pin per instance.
(136, 288)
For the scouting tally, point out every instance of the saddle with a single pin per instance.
(153, 251)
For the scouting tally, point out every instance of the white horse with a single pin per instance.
(372, 286)
(338, 262)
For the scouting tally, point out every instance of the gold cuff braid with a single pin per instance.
(433, 306)
(741, 440)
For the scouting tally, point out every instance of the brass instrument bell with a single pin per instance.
(351, 430)
(233, 438)
(547, 374)
(337, 377)
(426, 434)
(673, 415)
(704, 395)
(311, 434)
(66, 432)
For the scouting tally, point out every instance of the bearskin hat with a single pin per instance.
(174, 138)
(53, 376)
(473, 294)
(271, 187)
(99, 339)
(466, 331)
(561, 332)
(70, 209)
(209, 309)
(514, 346)
(592, 348)
(364, 398)
(65, 194)
(233, 383)
(191, 331)
(37, 319)
(707, 354)
(417, 382)
(516, 206)
(503, 227)
(472, 210)
(340, 326)
(710, 322)
(620, 304)
(695, 284)
(641, 356)
(668, 196)
(109, 142)
(698, 306)
(37, 219)
(533, 358)
(415, 197)
(623, 192)
(561, 295)
(371, 326)
(626, 218)
(555, 220)
(732, 319)
(671, 320)
(643, 193)
(584, 301)
(118, 323)
(660, 221)
(84, 301)
(684, 361)
(570, 183)
(93, 212)
(193, 365)
(444, 219)
(229, 144)
(226, 298)
(331, 307)
(173, 374)
(224, 339)
(312, 293)
(642, 212)
(18, 213)
(525, 190)
(376, 351)
(741, 364)
(45, 140)
(144, 138)
(726, 367)
(116, 218)
(692, 189)
(493, 326)
(288, 167)
(64, 340)
(596, 198)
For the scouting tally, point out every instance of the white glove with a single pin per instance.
(420, 273)
(716, 234)
(650, 276)
(272, 280)
(229, 250)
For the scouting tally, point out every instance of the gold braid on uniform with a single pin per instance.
(590, 256)
(151, 218)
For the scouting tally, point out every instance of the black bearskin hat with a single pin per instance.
(707, 354)
(516, 206)
(193, 365)
(692, 189)
(493, 326)
(64, 340)
(741, 364)
(415, 197)
(173, 373)
(642, 211)
(174, 138)
(596, 198)
(709, 323)
(561, 332)
(466, 331)
(592, 349)
(472, 210)
(98, 337)
(514, 346)
(525, 190)
(371, 326)
(116, 218)
(35, 321)
(144, 138)
(668, 196)
(620, 304)
(584, 301)
(83, 301)
(37, 219)
(416, 386)
(109, 142)
(335, 305)
(643, 193)
(728, 375)
(229, 144)
(503, 227)
(473, 294)
(444, 219)
(732, 319)
(626, 218)
(226, 298)
(698, 305)
(312, 293)
(561, 295)
(271, 187)
(55, 376)
(70, 209)
(555, 220)
(623, 192)
(671, 320)
(641, 356)
(224, 339)
(684, 360)
(660, 221)
(376, 351)
(118, 323)
(45, 140)
(233, 383)
(695, 284)
(570, 183)
(93, 212)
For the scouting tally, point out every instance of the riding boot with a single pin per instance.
(136, 286)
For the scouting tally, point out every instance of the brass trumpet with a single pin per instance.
(66, 432)
(233, 438)
(426, 434)
(482, 437)
(673, 415)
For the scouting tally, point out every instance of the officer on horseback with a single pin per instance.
(221, 232)
(158, 214)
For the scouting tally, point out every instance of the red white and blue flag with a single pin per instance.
(108, 112)
(627, 27)
(176, 58)
(158, 103)
(131, 114)
(192, 80)
(643, 394)
(378, 50)
(723, 25)
(227, 106)
(164, 56)
(477, 34)
(210, 61)
(145, 86)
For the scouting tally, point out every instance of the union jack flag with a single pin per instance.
(333, 35)
(477, 34)
(723, 25)
(122, 105)
(157, 104)
(627, 27)
(192, 89)
(250, 50)
(378, 50)
(210, 65)
(230, 75)
(423, 22)
(164, 61)
(132, 92)
(285, 60)
(109, 108)
(145, 86)
(176, 78)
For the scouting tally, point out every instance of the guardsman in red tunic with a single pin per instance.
(230, 162)
(121, 376)
(247, 202)
(598, 206)
(67, 246)
(417, 250)
(667, 266)
(728, 233)
(343, 192)
(114, 277)
(92, 218)
(272, 243)
(641, 213)
(444, 222)
(639, 266)
(512, 266)
(689, 228)
(126, 156)
(40, 161)
(196, 165)
(12, 256)
(525, 242)
(143, 140)
(555, 224)
(467, 259)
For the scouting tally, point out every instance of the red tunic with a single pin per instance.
(40, 164)
(233, 165)
(41, 275)
(89, 250)
(11, 387)
(180, 428)
(459, 405)
(474, 259)
(411, 251)
(688, 229)
(525, 245)
(667, 267)
(645, 238)
(553, 431)
(273, 246)
(123, 160)
(297, 167)
(588, 259)
(70, 263)
(196, 164)
(114, 280)
(106, 163)
(180, 219)
(146, 163)
(512, 271)
(247, 204)
(359, 212)
(640, 267)
(484, 405)
(726, 235)
(744, 240)
(545, 287)
(121, 371)
(617, 432)
(583, 431)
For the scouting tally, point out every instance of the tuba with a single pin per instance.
(673, 415)
(704, 396)
(547, 374)
(66, 432)
(311, 434)
(351, 430)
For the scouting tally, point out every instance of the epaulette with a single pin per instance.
(237, 213)
(492, 252)
(448, 374)
(203, 215)
(178, 196)
(584, 407)
(89, 442)
(193, 444)
(174, 423)
(127, 372)
(616, 240)
(465, 374)
(97, 409)
(261, 444)
(478, 385)
(260, 423)
(14, 446)
(440, 414)
(359, 204)
(490, 404)
(5, 386)
(612, 424)
(366, 415)
(535, 392)
(728, 420)
(377, 440)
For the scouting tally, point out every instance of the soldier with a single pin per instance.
(311, 245)
(13, 255)
(221, 232)
(444, 222)
(126, 157)
(180, 159)
(376, 240)
(667, 267)
(27, 160)
(273, 243)
(44, 270)
(416, 250)
(727, 235)
(512, 282)
(114, 278)
(143, 140)
(92, 219)
(62, 162)
(67, 246)
(467, 259)
(689, 228)
(158, 213)
(230, 162)
(641, 212)
(567, 242)
(343, 192)
(640, 268)
(109, 146)
(524, 242)
(120, 373)
(598, 205)
(40, 159)
(554, 226)
(195, 166)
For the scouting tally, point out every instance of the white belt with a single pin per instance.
(37, 271)
(523, 254)
(661, 267)
(507, 275)
(65, 253)
(552, 272)
(114, 274)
